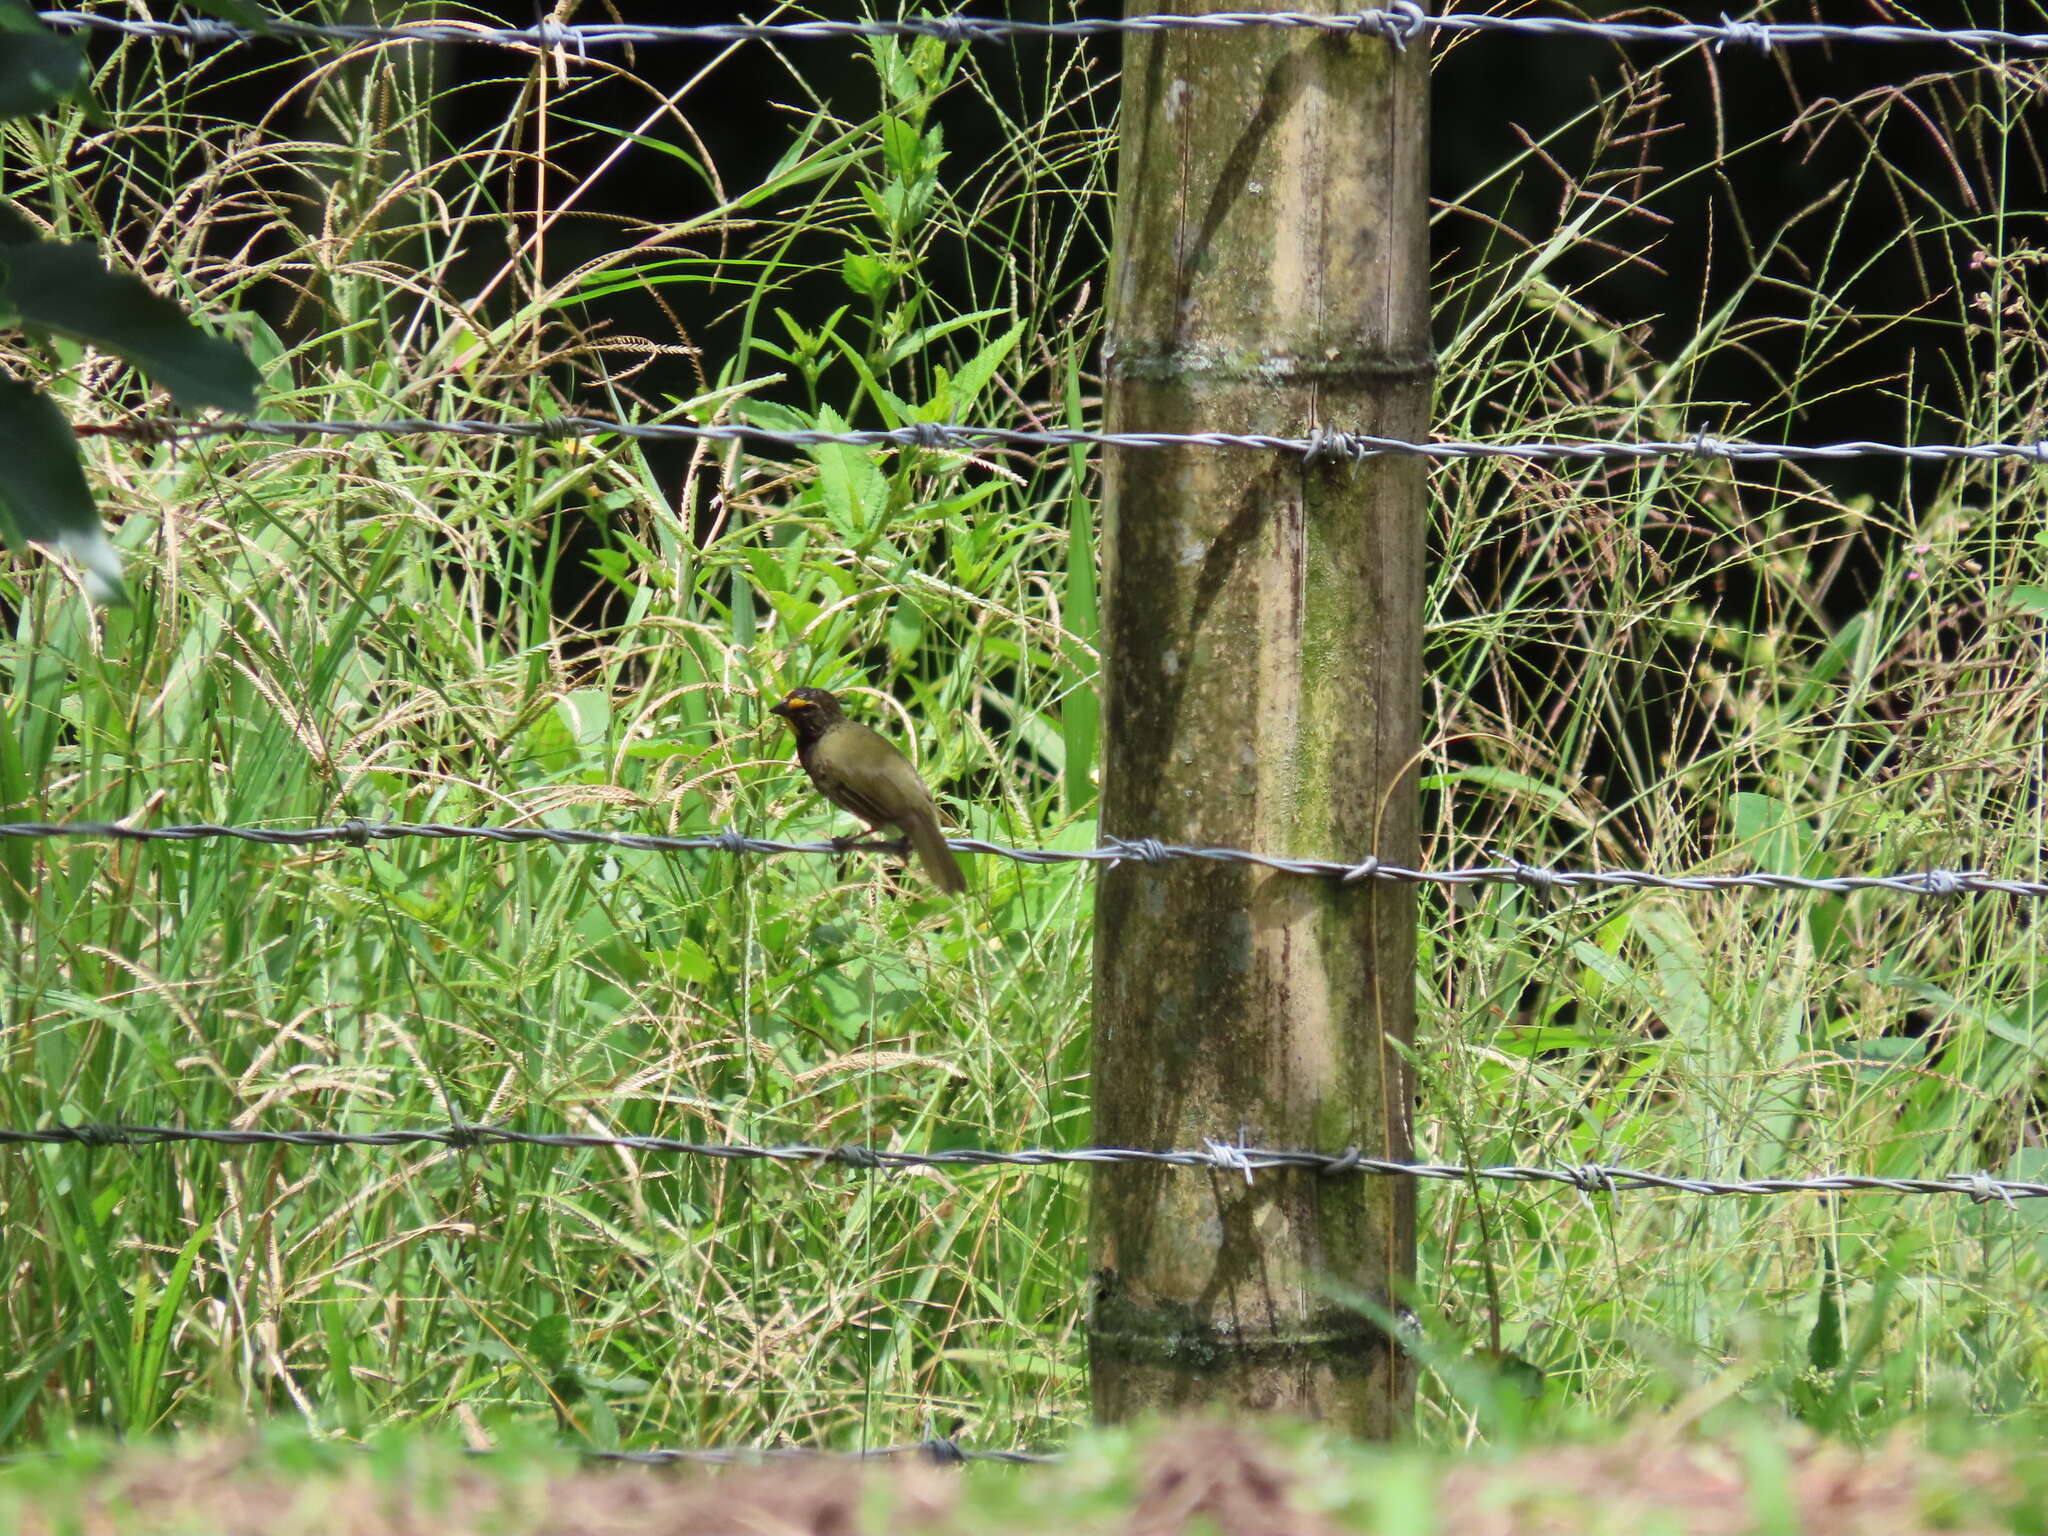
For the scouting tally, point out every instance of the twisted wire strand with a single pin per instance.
(1539, 879)
(1320, 446)
(1400, 23)
(940, 1450)
(1219, 1156)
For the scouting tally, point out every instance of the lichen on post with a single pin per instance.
(1261, 689)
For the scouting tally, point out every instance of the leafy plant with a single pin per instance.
(1675, 666)
(53, 288)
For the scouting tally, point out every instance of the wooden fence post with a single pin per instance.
(1261, 689)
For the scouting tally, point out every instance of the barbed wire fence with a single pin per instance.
(1331, 447)
(939, 1451)
(1220, 1157)
(1400, 23)
(1541, 879)
(1545, 882)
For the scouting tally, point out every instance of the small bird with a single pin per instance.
(859, 771)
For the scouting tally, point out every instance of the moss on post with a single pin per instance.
(1262, 686)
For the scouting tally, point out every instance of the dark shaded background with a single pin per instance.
(1763, 121)
(1487, 92)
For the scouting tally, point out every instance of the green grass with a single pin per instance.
(1737, 1473)
(1642, 667)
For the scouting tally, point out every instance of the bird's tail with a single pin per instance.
(936, 857)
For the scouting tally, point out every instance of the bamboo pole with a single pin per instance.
(1261, 688)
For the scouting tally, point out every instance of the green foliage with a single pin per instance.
(1690, 669)
(46, 498)
(52, 288)
(372, 628)
(1669, 668)
(39, 68)
(1739, 1471)
(49, 288)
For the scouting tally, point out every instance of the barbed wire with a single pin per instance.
(1321, 446)
(1218, 1156)
(940, 1451)
(1400, 23)
(1544, 881)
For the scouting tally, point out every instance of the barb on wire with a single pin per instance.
(1546, 882)
(1399, 22)
(940, 1451)
(1224, 1157)
(1319, 446)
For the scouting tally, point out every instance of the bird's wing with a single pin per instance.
(862, 772)
(847, 798)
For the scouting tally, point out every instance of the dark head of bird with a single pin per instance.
(810, 712)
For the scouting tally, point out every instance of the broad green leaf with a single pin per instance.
(548, 1341)
(855, 491)
(868, 276)
(890, 405)
(892, 63)
(906, 631)
(1780, 840)
(1824, 1344)
(1508, 783)
(1603, 969)
(39, 68)
(796, 614)
(266, 349)
(150, 1378)
(2031, 599)
(344, 1400)
(925, 335)
(67, 289)
(1687, 1000)
(1840, 650)
(977, 371)
(772, 417)
(910, 151)
(43, 496)
(585, 713)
